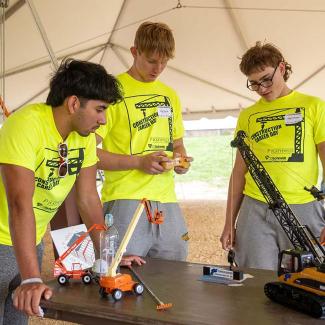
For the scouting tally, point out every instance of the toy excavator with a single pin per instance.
(116, 284)
(63, 275)
(301, 270)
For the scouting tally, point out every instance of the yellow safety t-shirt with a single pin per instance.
(29, 138)
(147, 120)
(283, 134)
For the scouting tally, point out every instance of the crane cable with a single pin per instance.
(3, 4)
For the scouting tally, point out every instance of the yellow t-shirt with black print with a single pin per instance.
(283, 134)
(147, 120)
(30, 139)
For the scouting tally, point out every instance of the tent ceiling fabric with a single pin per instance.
(210, 37)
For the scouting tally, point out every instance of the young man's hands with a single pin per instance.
(132, 259)
(227, 238)
(151, 163)
(26, 297)
(158, 162)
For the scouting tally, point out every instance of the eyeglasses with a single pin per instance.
(63, 163)
(266, 83)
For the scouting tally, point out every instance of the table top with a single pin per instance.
(194, 302)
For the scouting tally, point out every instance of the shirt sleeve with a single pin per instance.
(19, 142)
(178, 130)
(90, 152)
(319, 122)
(240, 125)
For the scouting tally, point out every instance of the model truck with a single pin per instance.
(113, 283)
(62, 273)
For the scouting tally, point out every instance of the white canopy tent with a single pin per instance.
(210, 36)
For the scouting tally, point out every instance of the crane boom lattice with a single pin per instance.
(299, 235)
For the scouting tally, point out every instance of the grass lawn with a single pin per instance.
(212, 160)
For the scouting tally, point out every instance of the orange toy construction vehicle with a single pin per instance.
(63, 275)
(301, 270)
(116, 284)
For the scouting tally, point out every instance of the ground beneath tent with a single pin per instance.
(205, 221)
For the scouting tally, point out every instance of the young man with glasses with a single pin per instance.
(142, 132)
(285, 129)
(44, 150)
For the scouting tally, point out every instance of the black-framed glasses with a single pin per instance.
(265, 83)
(63, 163)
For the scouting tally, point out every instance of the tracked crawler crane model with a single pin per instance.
(301, 270)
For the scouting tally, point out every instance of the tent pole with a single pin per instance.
(47, 87)
(43, 33)
(3, 5)
(236, 25)
(309, 77)
(120, 57)
(14, 8)
(111, 34)
(45, 61)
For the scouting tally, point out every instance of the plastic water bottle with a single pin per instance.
(109, 241)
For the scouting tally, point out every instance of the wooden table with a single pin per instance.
(194, 302)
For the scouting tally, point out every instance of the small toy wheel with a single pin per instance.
(138, 288)
(63, 279)
(102, 292)
(117, 294)
(86, 279)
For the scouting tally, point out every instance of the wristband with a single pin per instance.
(31, 280)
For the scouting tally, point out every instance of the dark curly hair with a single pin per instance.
(83, 79)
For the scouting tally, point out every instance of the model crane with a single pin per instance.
(116, 283)
(301, 270)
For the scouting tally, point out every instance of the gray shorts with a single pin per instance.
(9, 280)
(259, 236)
(160, 241)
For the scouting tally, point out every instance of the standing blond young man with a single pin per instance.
(286, 132)
(143, 131)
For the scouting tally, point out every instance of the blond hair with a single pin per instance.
(262, 55)
(155, 37)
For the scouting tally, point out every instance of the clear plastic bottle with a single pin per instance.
(109, 241)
